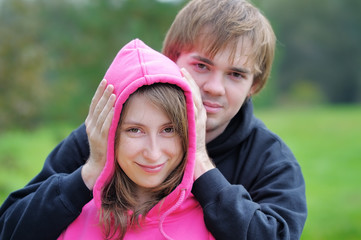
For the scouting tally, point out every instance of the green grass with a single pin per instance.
(325, 140)
(22, 154)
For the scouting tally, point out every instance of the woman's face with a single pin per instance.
(149, 149)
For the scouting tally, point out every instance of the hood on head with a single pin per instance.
(134, 66)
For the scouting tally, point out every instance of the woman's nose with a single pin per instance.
(152, 150)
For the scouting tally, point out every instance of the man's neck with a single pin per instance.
(214, 133)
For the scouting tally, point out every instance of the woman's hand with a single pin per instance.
(97, 124)
(203, 162)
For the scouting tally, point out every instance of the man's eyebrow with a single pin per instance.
(233, 69)
(241, 70)
(203, 59)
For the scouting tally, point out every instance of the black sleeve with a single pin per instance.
(276, 211)
(54, 198)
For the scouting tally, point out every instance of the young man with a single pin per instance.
(247, 180)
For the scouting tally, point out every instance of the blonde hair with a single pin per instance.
(119, 196)
(213, 25)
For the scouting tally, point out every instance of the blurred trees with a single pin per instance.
(54, 53)
(22, 64)
(319, 49)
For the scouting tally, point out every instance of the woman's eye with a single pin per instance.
(133, 130)
(168, 130)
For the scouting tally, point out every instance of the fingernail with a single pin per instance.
(184, 71)
(110, 88)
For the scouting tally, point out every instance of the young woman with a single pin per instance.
(144, 190)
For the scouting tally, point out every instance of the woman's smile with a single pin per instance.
(151, 168)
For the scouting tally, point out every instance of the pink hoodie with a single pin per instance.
(179, 216)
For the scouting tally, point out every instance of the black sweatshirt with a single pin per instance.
(257, 190)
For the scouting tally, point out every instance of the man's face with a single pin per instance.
(224, 84)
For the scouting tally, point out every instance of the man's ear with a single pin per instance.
(253, 89)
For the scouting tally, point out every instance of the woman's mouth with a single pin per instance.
(151, 168)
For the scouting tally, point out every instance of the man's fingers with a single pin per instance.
(103, 116)
(194, 88)
(189, 78)
(197, 98)
(98, 94)
(103, 101)
(107, 122)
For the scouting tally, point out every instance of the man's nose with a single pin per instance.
(214, 85)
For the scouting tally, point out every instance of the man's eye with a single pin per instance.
(201, 66)
(236, 75)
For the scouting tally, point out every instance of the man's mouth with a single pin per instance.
(212, 107)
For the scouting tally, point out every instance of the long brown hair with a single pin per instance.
(119, 197)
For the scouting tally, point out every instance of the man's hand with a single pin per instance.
(97, 124)
(203, 162)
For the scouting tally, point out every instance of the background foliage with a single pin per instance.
(319, 51)
(54, 53)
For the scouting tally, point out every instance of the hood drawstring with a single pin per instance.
(169, 211)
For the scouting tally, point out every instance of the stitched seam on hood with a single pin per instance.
(141, 60)
(169, 211)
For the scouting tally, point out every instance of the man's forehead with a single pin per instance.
(237, 52)
(226, 59)
(236, 66)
